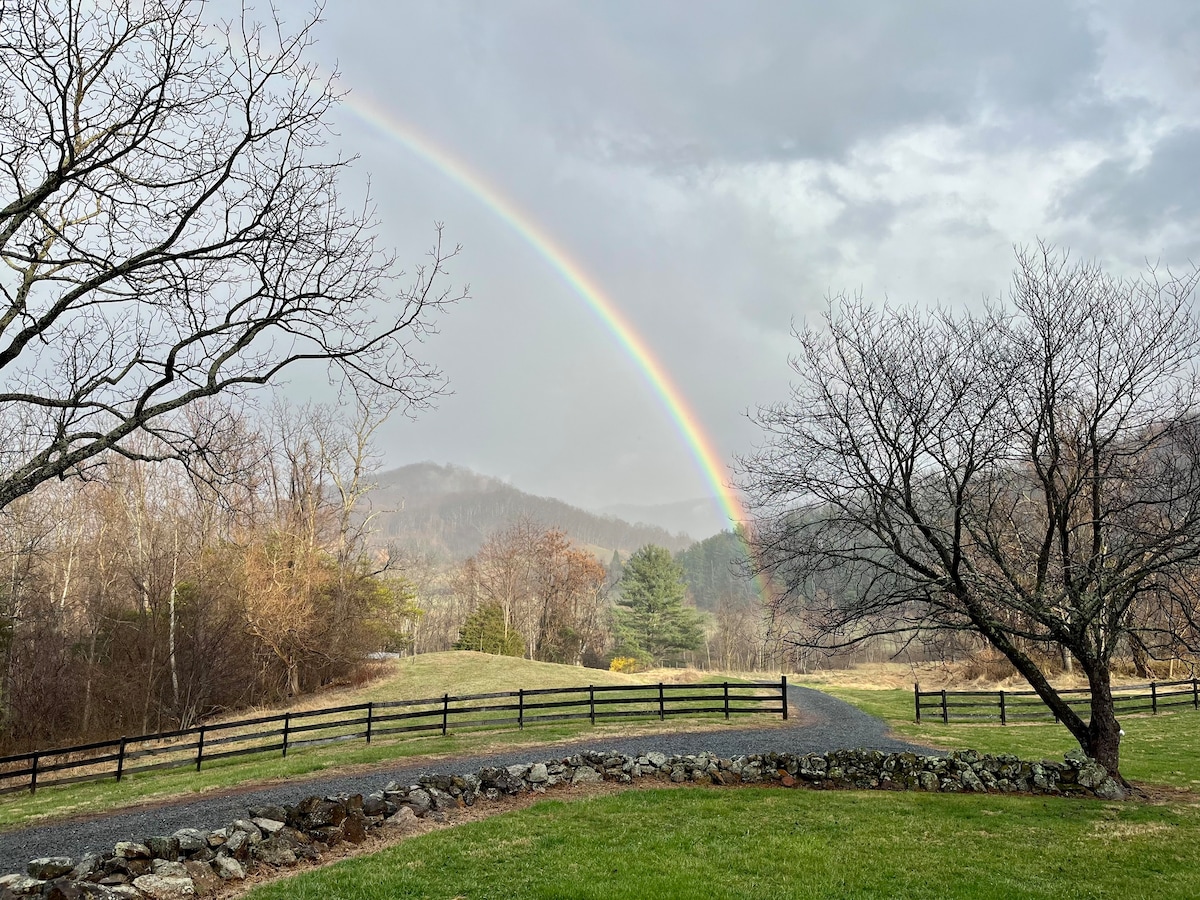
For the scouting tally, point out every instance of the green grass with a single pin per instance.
(1157, 749)
(763, 844)
(456, 673)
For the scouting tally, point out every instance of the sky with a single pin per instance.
(719, 170)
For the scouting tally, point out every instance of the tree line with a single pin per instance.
(143, 599)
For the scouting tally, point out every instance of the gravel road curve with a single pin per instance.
(825, 724)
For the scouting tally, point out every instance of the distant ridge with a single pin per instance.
(449, 510)
(697, 517)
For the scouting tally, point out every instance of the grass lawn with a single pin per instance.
(457, 673)
(1157, 749)
(775, 843)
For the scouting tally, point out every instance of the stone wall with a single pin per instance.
(192, 863)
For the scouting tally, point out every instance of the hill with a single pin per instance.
(697, 517)
(449, 510)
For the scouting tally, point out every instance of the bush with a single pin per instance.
(627, 664)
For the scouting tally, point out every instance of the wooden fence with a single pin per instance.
(193, 747)
(1027, 706)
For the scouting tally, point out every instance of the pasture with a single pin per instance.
(774, 843)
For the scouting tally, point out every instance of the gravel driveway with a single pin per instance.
(825, 723)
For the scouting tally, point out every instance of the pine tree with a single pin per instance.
(485, 631)
(650, 617)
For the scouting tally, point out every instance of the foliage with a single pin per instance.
(1030, 476)
(629, 664)
(650, 616)
(548, 590)
(143, 600)
(487, 632)
(769, 844)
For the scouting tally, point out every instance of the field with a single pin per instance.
(460, 672)
(774, 843)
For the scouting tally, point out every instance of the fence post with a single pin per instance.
(1154, 698)
(592, 702)
(726, 699)
(662, 710)
(445, 712)
(917, 699)
(287, 726)
(200, 749)
(783, 694)
(1003, 714)
(1195, 694)
(33, 775)
(370, 719)
(945, 709)
(121, 761)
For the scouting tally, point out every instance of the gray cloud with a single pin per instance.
(720, 168)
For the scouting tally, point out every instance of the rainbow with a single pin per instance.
(609, 314)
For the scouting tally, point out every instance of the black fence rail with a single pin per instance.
(1027, 706)
(193, 747)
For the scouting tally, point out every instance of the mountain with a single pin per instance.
(450, 510)
(698, 518)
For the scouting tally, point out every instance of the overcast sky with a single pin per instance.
(720, 169)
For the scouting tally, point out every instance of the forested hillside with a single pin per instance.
(712, 569)
(451, 510)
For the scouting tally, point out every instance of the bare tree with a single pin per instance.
(171, 230)
(1032, 476)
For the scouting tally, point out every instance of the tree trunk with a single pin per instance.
(1104, 731)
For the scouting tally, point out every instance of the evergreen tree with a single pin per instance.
(615, 569)
(650, 617)
(486, 631)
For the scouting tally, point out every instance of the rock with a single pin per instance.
(131, 850)
(275, 813)
(376, 806)
(1091, 775)
(418, 801)
(247, 826)
(238, 846)
(87, 866)
(48, 867)
(204, 879)
(317, 813)
(191, 840)
(354, 828)
(83, 890)
(21, 885)
(228, 869)
(537, 773)
(275, 852)
(163, 847)
(268, 826)
(1110, 789)
(586, 775)
(331, 834)
(404, 817)
(165, 887)
(168, 868)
